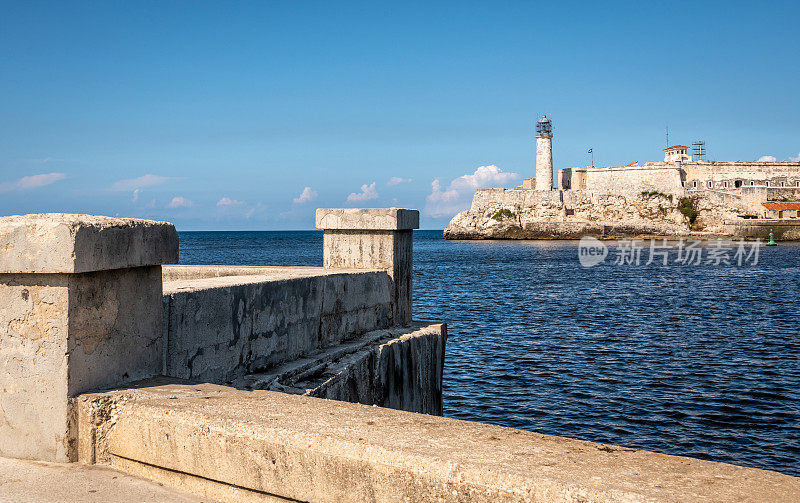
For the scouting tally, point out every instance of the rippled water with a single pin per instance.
(693, 360)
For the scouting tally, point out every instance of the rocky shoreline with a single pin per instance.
(528, 214)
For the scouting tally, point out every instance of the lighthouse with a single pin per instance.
(544, 154)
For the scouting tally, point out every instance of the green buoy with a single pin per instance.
(772, 239)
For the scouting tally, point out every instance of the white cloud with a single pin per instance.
(367, 192)
(140, 183)
(795, 159)
(136, 194)
(31, 182)
(457, 195)
(307, 195)
(227, 202)
(180, 202)
(396, 180)
(767, 158)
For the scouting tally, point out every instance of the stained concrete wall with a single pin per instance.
(65, 335)
(220, 328)
(402, 371)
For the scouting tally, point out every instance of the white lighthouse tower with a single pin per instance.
(544, 154)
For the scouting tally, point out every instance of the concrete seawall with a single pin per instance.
(231, 383)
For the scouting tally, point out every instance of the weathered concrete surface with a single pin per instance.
(373, 239)
(400, 368)
(389, 250)
(220, 328)
(41, 482)
(67, 326)
(65, 334)
(207, 439)
(67, 243)
(375, 219)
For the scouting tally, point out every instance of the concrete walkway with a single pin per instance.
(38, 482)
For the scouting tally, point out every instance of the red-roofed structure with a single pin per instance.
(676, 147)
(782, 210)
(781, 206)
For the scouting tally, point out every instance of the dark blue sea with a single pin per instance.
(697, 360)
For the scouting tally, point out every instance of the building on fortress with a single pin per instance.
(676, 196)
(678, 171)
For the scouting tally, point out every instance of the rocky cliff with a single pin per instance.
(571, 214)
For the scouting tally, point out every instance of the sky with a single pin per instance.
(250, 115)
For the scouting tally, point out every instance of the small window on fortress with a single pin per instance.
(783, 184)
(797, 183)
(694, 184)
(725, 184)
(710, 184)
(752, 183)
(767, 184)
(737, 183)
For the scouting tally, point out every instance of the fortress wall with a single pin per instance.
(759, 229)
(565, 179)
(633, 179)
(718, 197)
(787, 173)
(513, 199)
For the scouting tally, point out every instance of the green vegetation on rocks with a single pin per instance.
(687, 207)
(651, 193)
(503, 214)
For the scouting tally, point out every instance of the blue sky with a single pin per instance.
(249, 115)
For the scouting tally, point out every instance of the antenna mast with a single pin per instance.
(699, 149)
(667, 145)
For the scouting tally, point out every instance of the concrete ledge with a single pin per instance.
(379, 219)
(212, 439)
(67, 243)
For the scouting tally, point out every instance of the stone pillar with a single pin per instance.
(373, 239)
(544, 162)
(81, 310)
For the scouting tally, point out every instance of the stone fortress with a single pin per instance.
(678, 196)
(127, 377)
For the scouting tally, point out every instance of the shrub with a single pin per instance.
(646, 193)
(686, 206)
(503, 213)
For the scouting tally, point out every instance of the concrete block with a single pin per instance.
(66, 243)
(373, 239)
(68, 326)
(376, 219)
